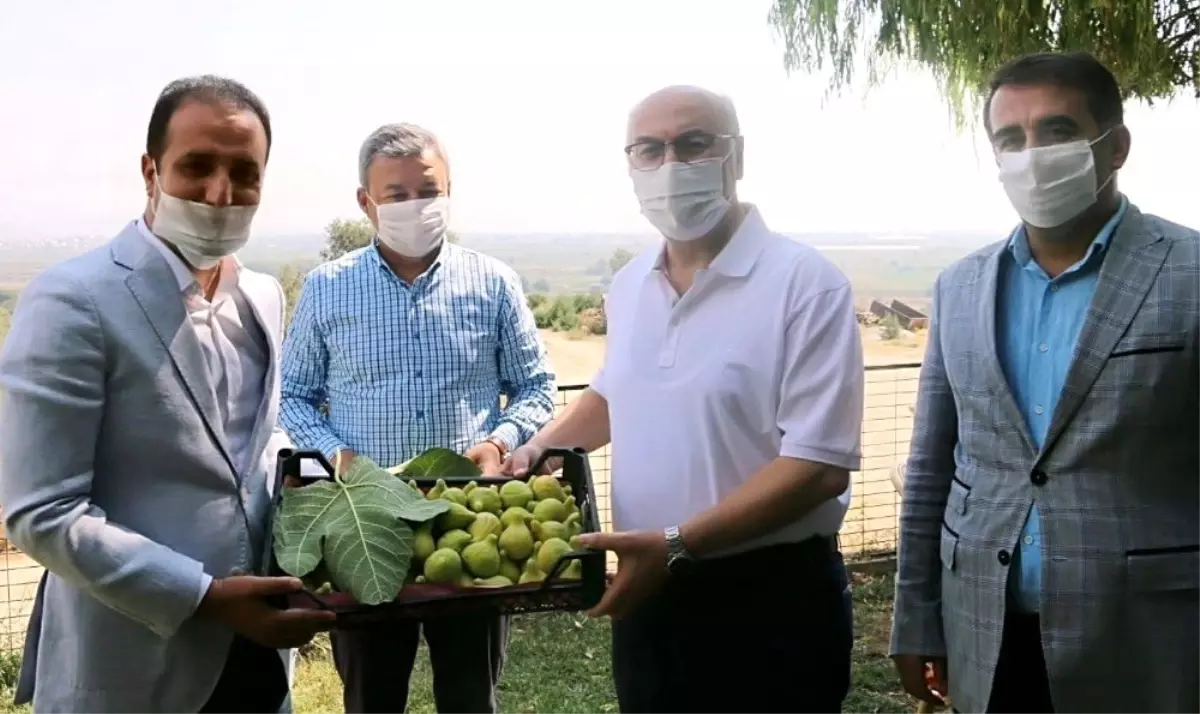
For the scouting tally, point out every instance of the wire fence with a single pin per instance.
(870, 528)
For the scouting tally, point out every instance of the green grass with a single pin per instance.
(560, 663)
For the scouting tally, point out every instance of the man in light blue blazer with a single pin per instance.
(138, 399)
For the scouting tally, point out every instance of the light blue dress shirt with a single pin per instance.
(1038, 323)
(403, 367)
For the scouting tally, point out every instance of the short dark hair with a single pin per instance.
(206, 87)
(1072, 70)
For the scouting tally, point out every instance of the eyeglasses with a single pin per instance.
(649, 154)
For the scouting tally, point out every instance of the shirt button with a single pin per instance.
(1038, 478)
(1028, 540)
(1043, 347)
(420, 414)
(416, 335)
(1053, 288)
(1038, 409)
(418, 373)
(1004, 557)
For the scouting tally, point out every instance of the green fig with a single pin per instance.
(423, 543)
(482, 557)
(566, 487)
(545, 530)
(495, 581)
(455, 495)
(412, 483)
(485, 499)
(573, 524)
(515, 515)
(573, 571)
(550, 552)
(546, 486)
(515, 494)
(570, 504)
(549, 509)
(421, 580)
(465, 580)
(510, 570)
(516, 542)
(470, 487)
(486, 524)
(458, 517)
(455, 540)
(576, 544)
(438, 489)
(531, 573)
(444, 567)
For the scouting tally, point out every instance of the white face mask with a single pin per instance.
(683, 201)
(202, 234)
(413, 228)
(1050, 185)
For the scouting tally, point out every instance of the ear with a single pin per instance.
(148, 174)
(1121, 142)
(364, 203)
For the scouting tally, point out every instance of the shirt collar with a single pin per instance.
(445, 252)
(1018, 244)
(183, 274)
(740, 253)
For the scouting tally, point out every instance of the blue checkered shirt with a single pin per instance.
(403, 368)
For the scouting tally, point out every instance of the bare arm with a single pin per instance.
(583, 424)
(917, 618)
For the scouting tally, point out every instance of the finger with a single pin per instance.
(602, 541)
(912, 678)
(265, 587)
(614, 593)
(306, 618)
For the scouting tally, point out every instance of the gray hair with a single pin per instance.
(393, 140)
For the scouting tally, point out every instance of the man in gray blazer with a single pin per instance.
(138, 400)
(1049, 556)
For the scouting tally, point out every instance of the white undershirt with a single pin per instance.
(236, 360)
(760, 358)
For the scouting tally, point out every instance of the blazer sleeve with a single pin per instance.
(52, 391)
(917, 613)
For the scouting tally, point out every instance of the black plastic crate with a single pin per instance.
(417, 601)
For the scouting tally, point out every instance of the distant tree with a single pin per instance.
(1153, 46)
(5, 323)
(618, 260)
(541, 285)
(343, 235)
(890, 328)
(292, 279)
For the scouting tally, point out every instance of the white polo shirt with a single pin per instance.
(761, 358)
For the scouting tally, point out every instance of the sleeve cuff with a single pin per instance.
(205, 584)
(508, 434)
(850, 462)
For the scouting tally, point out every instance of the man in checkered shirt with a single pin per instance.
(409, 344)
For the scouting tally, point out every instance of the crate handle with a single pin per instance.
(561, 565)
(553, 451)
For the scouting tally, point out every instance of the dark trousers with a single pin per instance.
(765, 631)
(253, 680)
(466, 651)
(1020, 685)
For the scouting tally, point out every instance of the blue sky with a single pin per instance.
(531, 98)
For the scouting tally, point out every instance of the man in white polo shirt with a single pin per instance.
(732, 392)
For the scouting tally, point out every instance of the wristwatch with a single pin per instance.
(679, 560)
(499, 444)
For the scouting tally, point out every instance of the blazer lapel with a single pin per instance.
(1130, 267)
(988, 289)
(157, 292)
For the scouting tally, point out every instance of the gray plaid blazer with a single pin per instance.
(1116, 484)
